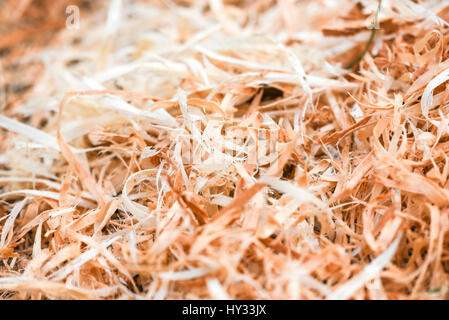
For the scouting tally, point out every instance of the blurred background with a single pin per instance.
(25, 27)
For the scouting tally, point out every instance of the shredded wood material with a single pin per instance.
(222, 149)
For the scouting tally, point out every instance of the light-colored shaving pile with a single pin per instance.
(222, 150)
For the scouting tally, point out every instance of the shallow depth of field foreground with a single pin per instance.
(224, 149)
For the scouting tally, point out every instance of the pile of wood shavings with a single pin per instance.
(222, 150)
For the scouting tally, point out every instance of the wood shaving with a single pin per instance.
(221, 150)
